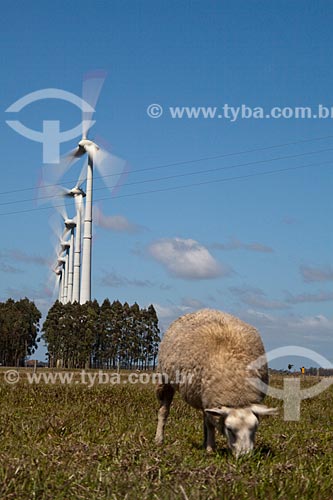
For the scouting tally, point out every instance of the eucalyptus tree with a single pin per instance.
(19, 327)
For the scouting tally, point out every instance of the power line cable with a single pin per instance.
(174, 188)
(174, 176)
(185, 162)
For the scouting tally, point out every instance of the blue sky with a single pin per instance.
(258, 247)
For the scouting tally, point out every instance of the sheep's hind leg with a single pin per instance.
(165, 393)
(209, 434)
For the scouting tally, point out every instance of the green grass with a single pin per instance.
(71, 442)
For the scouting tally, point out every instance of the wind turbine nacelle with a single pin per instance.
(64, 245)
(76, 191)
(70, 223)
(87, 145)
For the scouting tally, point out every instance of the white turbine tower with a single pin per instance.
(65, 248)
(85, 293)
(68, 247)
(78, 198)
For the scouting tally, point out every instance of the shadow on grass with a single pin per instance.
(261, 451)
(220, 451)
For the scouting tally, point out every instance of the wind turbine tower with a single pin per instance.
(78, 194)
(85, 292)
(65, 248)
(68, 246)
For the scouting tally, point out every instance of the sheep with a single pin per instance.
(205, 356)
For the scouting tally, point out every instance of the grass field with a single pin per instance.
(74, 442)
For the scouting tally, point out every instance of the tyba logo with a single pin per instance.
(51, 137)
(291, 394)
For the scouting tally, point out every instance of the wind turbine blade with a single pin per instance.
(56, 171)
(91, 88)
(51, 193)
(112, 169)
(56, 226)
(55, 290)
(51, 174)
(52, 284)
(65, 233)
(63, 191)
(46, 191)
(61, 208)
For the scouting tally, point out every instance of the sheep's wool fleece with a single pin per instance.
(215, 348)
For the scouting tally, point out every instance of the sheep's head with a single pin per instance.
(239, 425)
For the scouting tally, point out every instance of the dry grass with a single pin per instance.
(70, 442)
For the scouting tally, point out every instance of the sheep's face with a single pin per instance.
(239, 425)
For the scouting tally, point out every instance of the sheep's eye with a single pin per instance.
(231, 432)
(253, 430)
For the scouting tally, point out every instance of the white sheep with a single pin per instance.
(206, 356)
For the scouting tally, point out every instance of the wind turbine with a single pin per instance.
(67, 247)
(60, 271)
(56, 280)
(58, 275)
(78, 194)
(78, 198)
(98, 159)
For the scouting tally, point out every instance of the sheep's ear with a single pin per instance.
(218, 412)
(263, 410)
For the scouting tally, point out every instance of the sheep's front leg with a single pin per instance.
(209, 434)
(165, 393)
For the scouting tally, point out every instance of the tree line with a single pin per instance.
(80, 336)
(19, 327)
(101, 336)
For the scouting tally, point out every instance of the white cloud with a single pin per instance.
(192, 303)
(291, 322)
(314, 332)
(168, 313)
(256, 297)
(309, 297)
(7, 268)
(115, 280)
(26, 291)
(20, 256)
(277, 330)
(260, 316)
(117, 223)
(312, 322)
(287, 219)
(312, 274)
(187, 259)
(235, 244)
